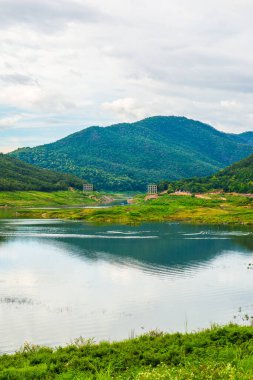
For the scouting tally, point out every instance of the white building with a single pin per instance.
(87, 187)
(152, 189)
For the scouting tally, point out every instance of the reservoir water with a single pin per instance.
(60, 280)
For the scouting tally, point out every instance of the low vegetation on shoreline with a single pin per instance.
(209, 209)
(219, 353)
(28, 199)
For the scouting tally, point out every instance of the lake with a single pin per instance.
(60, 280)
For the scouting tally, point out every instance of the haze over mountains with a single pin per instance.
(127, 156)
(18, 175)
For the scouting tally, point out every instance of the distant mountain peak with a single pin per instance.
(127, 156)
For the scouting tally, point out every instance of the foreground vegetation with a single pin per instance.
(220, 353)
(212, 209)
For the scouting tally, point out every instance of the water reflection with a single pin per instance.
(60, 280)
(149, 245)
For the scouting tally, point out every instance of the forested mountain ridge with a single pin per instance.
(244, 138)
(127, 156)
(18, 175)
(235, 178)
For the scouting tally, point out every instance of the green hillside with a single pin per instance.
(236, 178)
(244, 138)
(128, 156)
(18, 175)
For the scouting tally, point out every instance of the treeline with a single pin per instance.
(236, 178)
(18, 175)
(127, 157)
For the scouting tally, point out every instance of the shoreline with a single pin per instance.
(223, 352)
(237, 211)
(210, 208)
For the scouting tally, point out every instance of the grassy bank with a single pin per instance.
(53, 199)
(214, 209)
(224, 353)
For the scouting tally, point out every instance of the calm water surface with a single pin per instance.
(61, 280)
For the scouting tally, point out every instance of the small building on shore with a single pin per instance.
(87, 187)
(152, 188)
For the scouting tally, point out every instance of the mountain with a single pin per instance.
(18, 175)
(235, 178)
(244, 138)
(128, 156)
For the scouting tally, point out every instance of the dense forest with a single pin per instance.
(236, 178)
(18, 175)
(128, 156)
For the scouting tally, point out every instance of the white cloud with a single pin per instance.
(47, 15)
(127, 109)
(111, 61)
(9, 122)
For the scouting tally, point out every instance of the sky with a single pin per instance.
(67, 65)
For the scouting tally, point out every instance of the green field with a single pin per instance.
(28, 199)
(219, 353)
(216, 209)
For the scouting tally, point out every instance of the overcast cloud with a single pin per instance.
(66, 65)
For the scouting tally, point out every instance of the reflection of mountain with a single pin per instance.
(156, 247)
(178, 246)
(3, 239)
(3, 229)
(246, 242)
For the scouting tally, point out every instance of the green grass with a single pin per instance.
(219, 209)
(224, 353)
(56, 198)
